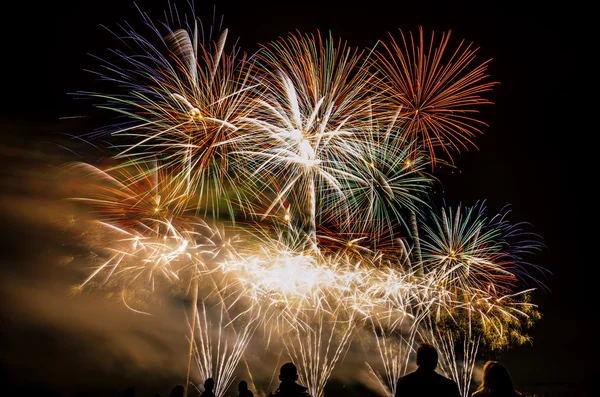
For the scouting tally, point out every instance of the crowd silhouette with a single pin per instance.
(425, 381)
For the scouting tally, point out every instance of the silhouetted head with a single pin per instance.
(427, 357)
(209, 384)
(496, 377)
(242, 386)
(177, 391)
(288, 373)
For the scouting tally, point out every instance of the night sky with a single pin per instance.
(534, 156)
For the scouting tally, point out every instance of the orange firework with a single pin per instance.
(432, 92)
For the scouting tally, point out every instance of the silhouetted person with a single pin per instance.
(177, 391)
(288, 375)
(243, 389)
(209, 385)
(425, 382)
(495, 382)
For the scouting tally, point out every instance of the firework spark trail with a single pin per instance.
(394, 346)
(216, 287)
(281, 273)
(219, 359)
(303, 295)
(318, 343)
(452, 365)
(282, 278)
(310, 292)
(435, 91)
(143, 257)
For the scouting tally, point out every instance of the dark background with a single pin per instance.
(535, 155)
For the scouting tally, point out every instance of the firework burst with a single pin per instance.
(433, 92)
(471, 251)
(180, 100)
(303, 124)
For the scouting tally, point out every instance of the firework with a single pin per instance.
(391, 183)
(131, 193)
(179, 101)
(452, 365)
(318, 343)
(394, 346)
(219, 345)
(319, 155)
(139, 214)
(469, 250)
(433, 92)
(302, 129)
